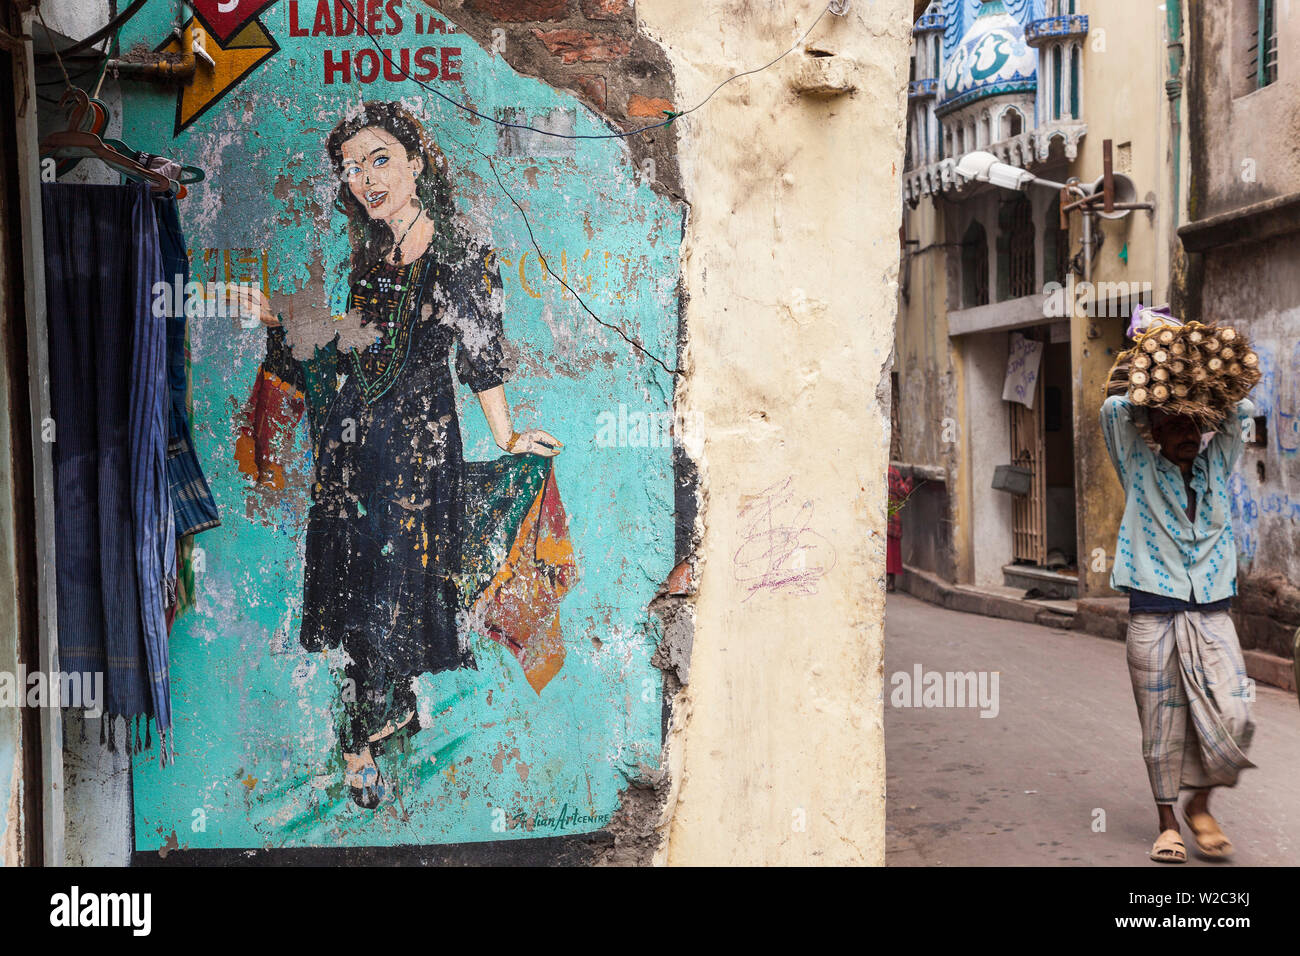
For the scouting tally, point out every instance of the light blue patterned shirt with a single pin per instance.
(1160, 550)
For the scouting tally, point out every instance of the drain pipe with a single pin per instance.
(164, 70)
(1174, 90)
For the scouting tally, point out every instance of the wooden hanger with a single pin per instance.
(76, 140)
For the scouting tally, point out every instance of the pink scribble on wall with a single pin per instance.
(779, 551)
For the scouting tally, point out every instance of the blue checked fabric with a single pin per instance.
(193, 506)
(1193, 700)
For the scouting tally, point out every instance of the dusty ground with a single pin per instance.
(1023, 788)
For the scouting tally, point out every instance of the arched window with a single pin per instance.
(934, 45)
(1013, 123)
(1016, 274)
(1075, 53)
(1056, 246)
(1056, 82)
(974, 267)
(961, 141)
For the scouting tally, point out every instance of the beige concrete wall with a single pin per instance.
(1247, 137)
(790, 261)
(987, 444)
(923, 358)
(928, 416)
(1242, 153)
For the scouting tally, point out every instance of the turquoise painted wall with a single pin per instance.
(255, 746)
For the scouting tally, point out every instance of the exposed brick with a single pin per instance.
(517, 11)
(581, 46)
(638, 105)
(605, 9)
(592, 88)
(681, 581)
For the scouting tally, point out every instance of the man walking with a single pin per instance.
(1177, 560)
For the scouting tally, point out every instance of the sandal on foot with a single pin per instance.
(367, 786)
(1210, 840)
(1169, 848)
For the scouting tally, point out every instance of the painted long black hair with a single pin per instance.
(372, 240)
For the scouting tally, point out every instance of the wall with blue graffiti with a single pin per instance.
(1266, 513)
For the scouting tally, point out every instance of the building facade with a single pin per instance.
(1241, 236)
(996, 283)
(716, 259)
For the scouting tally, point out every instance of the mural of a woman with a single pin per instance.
(384, 530)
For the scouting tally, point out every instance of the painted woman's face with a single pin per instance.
(379, 172)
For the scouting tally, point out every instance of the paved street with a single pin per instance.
(1023, 788)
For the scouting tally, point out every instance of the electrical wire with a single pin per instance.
(617, 135)
(546, 265)
(103, 70)
(108, 28)
(760, 69)
(49, 35)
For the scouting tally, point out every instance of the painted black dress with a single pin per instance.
(384, 529)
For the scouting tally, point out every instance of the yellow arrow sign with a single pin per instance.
(234, 60)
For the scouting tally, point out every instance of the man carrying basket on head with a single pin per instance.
(1177, 559)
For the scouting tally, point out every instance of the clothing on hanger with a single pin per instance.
(114, 537)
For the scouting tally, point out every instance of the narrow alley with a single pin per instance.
(1036, 784)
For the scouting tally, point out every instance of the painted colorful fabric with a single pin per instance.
(515, 596)
(1160, 550)
(267, 424)
(900, 487)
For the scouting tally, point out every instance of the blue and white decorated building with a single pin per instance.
(1002, 76)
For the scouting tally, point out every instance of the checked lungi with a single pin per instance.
(1193, 699)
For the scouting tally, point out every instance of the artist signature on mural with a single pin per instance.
(563, 820)
(779, 549)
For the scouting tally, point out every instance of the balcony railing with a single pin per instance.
(1038, 32)
(929, 23)
(922, 89)
(1028, 150)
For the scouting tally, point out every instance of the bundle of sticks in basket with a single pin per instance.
(1193, 369)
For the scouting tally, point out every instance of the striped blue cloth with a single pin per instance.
(114, 543)
(193, 506)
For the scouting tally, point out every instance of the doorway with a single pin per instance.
(1043, 536)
